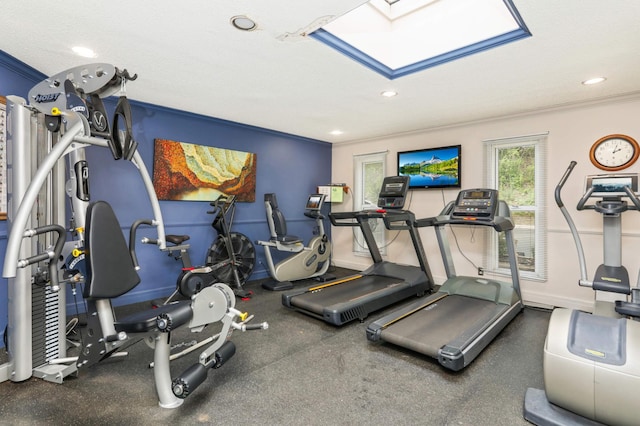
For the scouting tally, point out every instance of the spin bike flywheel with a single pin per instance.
(243, 251)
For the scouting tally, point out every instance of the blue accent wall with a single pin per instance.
(289, 165)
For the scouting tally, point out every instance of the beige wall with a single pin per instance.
(572, 131)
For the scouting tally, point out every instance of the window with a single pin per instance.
(515, 166)
(369, 170)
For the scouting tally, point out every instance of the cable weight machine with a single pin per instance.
(63, 115)
(64, 118)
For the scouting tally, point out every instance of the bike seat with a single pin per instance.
(176, 239)
(288, 239)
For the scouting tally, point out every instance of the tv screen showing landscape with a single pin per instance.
(431, 167)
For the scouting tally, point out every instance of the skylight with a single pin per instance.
(400, 37)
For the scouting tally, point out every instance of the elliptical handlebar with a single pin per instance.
(563, 180)
(582, 204)
(633, 197)
(610, 204)
(572, 227)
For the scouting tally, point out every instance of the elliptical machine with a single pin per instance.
(592, 361)
(310, 261)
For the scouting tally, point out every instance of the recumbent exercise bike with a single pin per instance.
(310, 261)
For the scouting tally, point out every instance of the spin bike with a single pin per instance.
(230, 259)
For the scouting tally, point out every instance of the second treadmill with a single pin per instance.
(382, 284)
(456, 323)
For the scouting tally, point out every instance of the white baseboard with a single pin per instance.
(546, 300)
(351, 265)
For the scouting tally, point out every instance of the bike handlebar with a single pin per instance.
(226, 201)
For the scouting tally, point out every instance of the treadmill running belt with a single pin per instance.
(348, 291)
(451, 318)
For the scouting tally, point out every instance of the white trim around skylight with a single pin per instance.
(518, 31)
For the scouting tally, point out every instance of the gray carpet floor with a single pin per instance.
(299, 371)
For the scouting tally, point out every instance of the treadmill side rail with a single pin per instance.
(456, 356)
(355, 297)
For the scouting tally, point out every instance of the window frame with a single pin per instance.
(359, 246)
(491, 150)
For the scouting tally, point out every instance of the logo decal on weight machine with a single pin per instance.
(51, 97)
(99, 121)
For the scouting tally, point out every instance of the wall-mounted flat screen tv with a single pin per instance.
(431, 167)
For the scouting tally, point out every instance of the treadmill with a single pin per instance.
(384, 283)
(458, 321)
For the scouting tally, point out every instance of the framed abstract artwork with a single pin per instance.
(189, 172)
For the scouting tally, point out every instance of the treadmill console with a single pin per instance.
(476, 204)
(393, 192)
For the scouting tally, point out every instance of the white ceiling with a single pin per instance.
(189, 57)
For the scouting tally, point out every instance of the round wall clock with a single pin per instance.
(614, 152)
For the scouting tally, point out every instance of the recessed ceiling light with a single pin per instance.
(389, 93)
(84, 52)
(336, 132)
(243, 23)
(595, 80)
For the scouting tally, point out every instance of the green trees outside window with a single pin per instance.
(516, 167)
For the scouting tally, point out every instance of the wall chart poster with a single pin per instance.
(3, 158)
(189, 172)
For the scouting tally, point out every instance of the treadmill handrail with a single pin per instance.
(392, 219)
(343, 218)
(424, 222)
(360, 219)
(431, 221)
(408, 220)
(349, 218)
(500, 223)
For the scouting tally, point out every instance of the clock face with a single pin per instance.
(614, 152)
